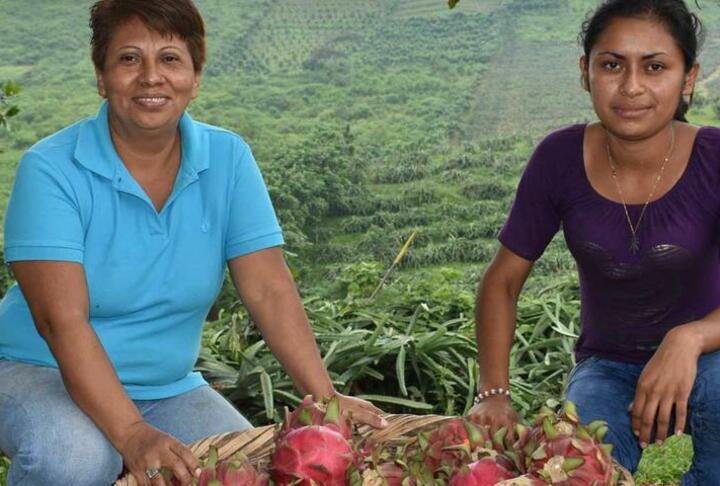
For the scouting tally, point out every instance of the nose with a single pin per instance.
(151, 74)
(632, 83)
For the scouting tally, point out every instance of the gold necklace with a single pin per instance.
(635, 239)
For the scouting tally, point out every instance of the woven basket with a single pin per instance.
(257, 444)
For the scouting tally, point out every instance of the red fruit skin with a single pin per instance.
(207, 475)
(451, 434)
(598, 464)
(526, 480)
(239, 474)
(312, 453)
(392, 473)
(485, 472)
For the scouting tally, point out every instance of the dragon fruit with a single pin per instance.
(208, 472)
(561, 451)
(451, 445)
(525, 480)
(513, 450)
(570, 461)
(239, 473)
(235, 471)
(392, 466)
(326, 413)
(566, 423)
(384, 474)
(310, 455)
(485, 472)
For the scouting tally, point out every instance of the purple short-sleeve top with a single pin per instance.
(629, 301)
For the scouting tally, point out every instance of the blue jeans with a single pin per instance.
(603, 389)
(51, 441)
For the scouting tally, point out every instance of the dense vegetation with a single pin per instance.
(371, 119)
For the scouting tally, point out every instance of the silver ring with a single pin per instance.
(152, 473)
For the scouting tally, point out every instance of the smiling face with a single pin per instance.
(148, 79)
(636, 76)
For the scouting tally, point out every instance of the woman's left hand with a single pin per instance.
(665, 383)
(363, 412)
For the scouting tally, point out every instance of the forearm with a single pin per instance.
(281, 318)
(702, 336)
(495, 315)
(91, 380)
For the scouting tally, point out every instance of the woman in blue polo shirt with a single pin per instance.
(118, 231)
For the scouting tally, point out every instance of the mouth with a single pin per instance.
(631, 111)
(151, 101)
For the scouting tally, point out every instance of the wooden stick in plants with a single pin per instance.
(395, 262)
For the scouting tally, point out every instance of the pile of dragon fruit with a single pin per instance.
(318, 446)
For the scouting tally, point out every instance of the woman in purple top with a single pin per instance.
(637, 194)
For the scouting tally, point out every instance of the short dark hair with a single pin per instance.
(167, 17)
(685, 27)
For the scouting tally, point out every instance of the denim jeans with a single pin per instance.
(51, 441)
(603, 389)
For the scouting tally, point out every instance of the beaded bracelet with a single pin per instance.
(491, 392)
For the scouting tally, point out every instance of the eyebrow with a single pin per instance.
(130, 46)
(646, 56)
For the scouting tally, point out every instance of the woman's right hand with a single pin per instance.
(496, 411)
(146, 447)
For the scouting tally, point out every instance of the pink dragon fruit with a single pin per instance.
(385, 474)
(485, 472)
(570, 461)
(239, 473)
(311, 455)
(561, 451)
(452, 444)
(310, 412)
(525, 480)
(392, 466)
(236, 471)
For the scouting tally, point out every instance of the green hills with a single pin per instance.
(370, 118)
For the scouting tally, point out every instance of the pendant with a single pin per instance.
(634, 244)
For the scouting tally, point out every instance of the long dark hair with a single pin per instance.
(685, 27)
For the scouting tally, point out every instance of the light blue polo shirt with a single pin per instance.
(151, 276)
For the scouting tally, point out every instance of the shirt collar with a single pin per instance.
(96, 152)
